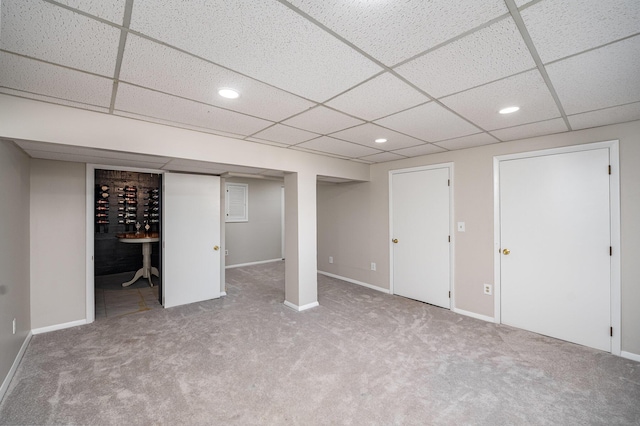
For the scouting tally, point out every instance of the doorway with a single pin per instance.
(420, 215)
(556, 234)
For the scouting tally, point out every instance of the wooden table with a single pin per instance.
(147, 270)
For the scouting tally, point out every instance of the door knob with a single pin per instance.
(216, 248)
(395, 240)
(506, 252)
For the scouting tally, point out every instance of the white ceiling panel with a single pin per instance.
(430, 122)
(285, 134)
(154, 104)
(168, 70)
(38, 77)
(393, 31)
(602, 117)
(338, 147)
(44, 31)
(492, 53)
(562, 28)
(322, 120)
(531, 130)
(521, 3)
(601, 78)
(527, 90)
(269, 42)
(416, 151)
(366, 134)
(111, 10)
(52, 100)
(383, 156)
(381, 96)
(468, 141)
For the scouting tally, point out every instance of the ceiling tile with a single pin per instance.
(430, 122)
(527, 90)
(562, 28)
(470, 141)
(394, 31)
(366, 134)
(531, 130)
(521, 3)
(52, 100)
(41, 78)
(285, 134)
(383, 157)
(602, 117)
(600, 78)
(111, 10)
(381, 96)
(270, 42)
(492, 53)
(416, 151)
(322, 120)
(162, 68)
(154, 104)
(41, 30)
(338, 147)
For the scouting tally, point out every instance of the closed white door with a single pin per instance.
(191, 233)
(555, 264)
(420, 203)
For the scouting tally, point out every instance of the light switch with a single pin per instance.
(460, 226)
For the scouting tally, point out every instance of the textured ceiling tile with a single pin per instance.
(322, 120)
(527, 90)
(45, 79)
(383, 157)
(429, 122)
(168, 70)
(368, 133)
(531, 130)
(41, 30)
(378, 97)
(470, 141)
(111, 10)
(153, 104)
(521, 3)
(416, 151)
(52, 100)
(618, 114)
(392, 31)
(285, 134)
(261, 38)
(492, 53)
(338, 147)
(562, 28)
(600, 78)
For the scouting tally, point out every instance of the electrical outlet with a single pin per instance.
(330, 259)
(488, 289)
(373, 266)
(226, 252)
(460, 226)
(14, 326)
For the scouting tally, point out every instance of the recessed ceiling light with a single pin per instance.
(509, 110)
(380, 140)
(228, 93)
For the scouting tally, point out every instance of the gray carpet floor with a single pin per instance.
(361, 358)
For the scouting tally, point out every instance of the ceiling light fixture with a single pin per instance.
(380, 140)
(509, 110)
(228, 93)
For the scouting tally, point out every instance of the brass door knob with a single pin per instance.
(506, 252)
(395, 240)
(216, 248)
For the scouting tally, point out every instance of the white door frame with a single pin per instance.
(451, 225)
(614, 205)
(90, 230)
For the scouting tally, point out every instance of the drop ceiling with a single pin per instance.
(331, 76)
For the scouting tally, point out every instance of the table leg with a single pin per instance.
(138, 274)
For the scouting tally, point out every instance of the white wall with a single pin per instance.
(359, 234)
(260, 238)
(14, 253)
(58, 228)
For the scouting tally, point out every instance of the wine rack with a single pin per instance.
(128, 207)
(151, 212)
(102, 208)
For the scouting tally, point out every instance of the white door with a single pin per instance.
(420, 220)
(555, 224)
(191, 232)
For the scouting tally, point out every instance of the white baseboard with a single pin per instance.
(630, 355)
(223, 293)
(474, 315)
(300, 308)
(254, 263)
(14, 366)
(349, 280)
(59, 326)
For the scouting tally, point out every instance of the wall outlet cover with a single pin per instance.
(488, 289)
(373, 266)
(330, 259)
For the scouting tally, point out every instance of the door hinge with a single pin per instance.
(611, 331)
(448, 182)
(449, 295)
(609, 169)
(449, 238)
(610, 251)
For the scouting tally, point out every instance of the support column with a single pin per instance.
(301, 263)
